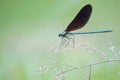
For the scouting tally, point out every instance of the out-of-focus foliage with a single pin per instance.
(29, 28)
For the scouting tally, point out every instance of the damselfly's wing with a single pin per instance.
(81, 18)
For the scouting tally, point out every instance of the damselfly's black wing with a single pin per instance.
(81, 18)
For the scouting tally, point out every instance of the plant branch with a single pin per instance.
(89, 65)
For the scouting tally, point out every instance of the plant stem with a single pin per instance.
(89, 65)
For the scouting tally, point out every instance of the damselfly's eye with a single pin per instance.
(59, 34)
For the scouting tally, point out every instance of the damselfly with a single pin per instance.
(78, 22)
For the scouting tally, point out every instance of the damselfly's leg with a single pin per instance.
(61, 44)
(64, 40)
(68, 41)
(72, 40)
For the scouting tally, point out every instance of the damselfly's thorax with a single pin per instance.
(63, 34)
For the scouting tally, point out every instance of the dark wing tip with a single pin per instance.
(88, 6)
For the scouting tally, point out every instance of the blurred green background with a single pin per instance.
(29, 28)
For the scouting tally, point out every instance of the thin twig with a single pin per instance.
(101, 62)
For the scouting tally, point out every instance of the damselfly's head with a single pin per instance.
(63, 34)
